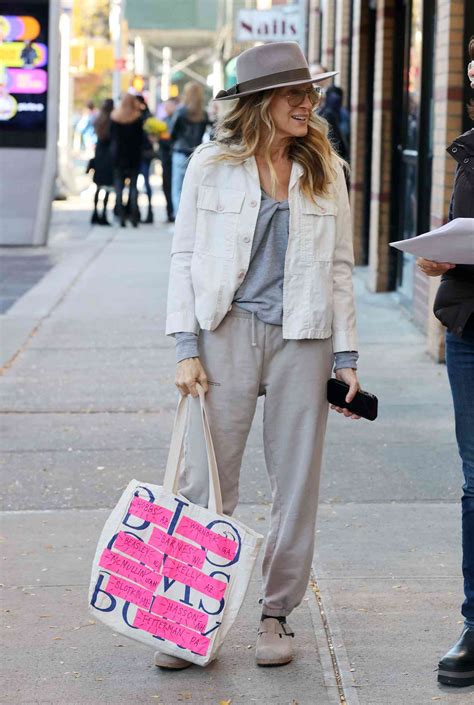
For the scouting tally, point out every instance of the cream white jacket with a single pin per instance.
(212, 243)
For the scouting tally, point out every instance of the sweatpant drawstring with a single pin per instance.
(254, 341)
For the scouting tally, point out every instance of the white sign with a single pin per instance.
(268, 25)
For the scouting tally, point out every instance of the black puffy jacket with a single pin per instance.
(454, 303)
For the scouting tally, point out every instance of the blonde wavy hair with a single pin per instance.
(248, 125)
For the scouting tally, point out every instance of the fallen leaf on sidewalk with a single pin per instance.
(225, 702)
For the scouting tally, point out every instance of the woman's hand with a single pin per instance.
(188, 373)
(349, 376)
(433, 269)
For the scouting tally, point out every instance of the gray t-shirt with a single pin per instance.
(261, 292)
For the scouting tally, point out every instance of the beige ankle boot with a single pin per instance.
(274, 643)
(170, 662)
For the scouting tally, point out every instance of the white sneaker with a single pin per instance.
(274, 646)
(170, 662)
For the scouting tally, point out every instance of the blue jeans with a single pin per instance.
(460, 363)
(178, 170)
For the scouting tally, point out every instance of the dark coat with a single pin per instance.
(126, 144)
(102, 164)
(454, 303)
(186, 135)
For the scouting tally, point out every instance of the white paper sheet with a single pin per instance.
(453, 243)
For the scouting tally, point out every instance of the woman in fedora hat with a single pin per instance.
(260, 302)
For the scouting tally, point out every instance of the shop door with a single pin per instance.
(415, 133)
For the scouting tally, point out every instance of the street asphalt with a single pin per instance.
(87, 404)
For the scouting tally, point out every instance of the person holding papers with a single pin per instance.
(454, 307)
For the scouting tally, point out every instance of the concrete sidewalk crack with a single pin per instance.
(335, 654)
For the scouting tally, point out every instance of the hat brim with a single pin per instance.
(316, 79)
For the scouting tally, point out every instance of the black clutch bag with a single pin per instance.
(363, 404)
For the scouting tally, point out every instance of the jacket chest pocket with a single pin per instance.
(217, 220)
(318, 230)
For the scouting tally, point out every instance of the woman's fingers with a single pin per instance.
(433, 269)
(353, 389)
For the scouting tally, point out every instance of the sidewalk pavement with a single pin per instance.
(88, 403)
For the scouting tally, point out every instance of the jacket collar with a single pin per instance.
(464, 144)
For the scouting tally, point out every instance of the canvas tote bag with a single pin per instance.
(167, 572)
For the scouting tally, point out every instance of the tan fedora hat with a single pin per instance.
(267, 66)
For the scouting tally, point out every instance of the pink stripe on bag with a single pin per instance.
(150, 512)
(177, 612)
(137, 549)
(172, 632)
(177, 548)
(216, 543)
(132, 570)
(129, 592)
(194, 578)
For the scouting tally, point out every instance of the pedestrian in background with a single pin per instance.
(102, 162)
(148, 154)
(165, 155)
(454, 307)
(259, 302)
(189, 124)
(126, 147)
(338, 119)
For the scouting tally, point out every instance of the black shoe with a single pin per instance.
(457, 666)
(103, 220)
(149, 218)
(95, 220)
(171, 219)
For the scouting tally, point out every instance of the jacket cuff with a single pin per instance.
(182, 321)
(344, 340)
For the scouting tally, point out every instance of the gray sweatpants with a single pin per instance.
(245, 358)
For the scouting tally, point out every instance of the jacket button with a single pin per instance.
(454, 149)
(246, 238)
(253, 203)
(241, 274)
(466, 161)
(220, 208)
(323, 210)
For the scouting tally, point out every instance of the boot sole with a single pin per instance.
(456, 678)
(174, 668)
(281, 662)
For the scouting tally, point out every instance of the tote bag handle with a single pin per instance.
(170, 482)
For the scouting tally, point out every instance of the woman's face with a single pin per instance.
(292, 121)
(470, 72)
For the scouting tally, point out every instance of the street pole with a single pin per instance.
(115, 26)
(166, 74)
(65, 174)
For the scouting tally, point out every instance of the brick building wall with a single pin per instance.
(360, 55)
(314, 31)
(342, 46)
(447, 125)
(327, 35)
(381, 148)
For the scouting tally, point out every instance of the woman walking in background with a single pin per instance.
(454, 307)
(148, 154)
(126, 146)
(102, 162)
(260, 298)
(189, 124)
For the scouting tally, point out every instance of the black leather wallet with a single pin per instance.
(363, 404)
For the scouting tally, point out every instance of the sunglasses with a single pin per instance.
(297, 96)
